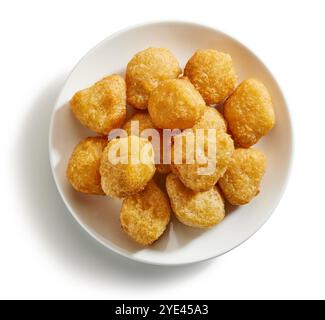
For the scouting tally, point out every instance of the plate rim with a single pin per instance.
(93, 234)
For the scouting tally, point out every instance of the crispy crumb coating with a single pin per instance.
(83, 167)
(144, 72)
(101, 107)
(188, 172)
(121, 179)
(211, 119)
(213, 75)
(241, 182)
(145, 215)
(161, 167)
(143, 119)
(249, 113)
(195, 209)
(175, 104)
(145, 122)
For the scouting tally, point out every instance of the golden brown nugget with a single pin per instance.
(211, 119)
(122, 176)
(241, 182)
(175, 104)
(161, 167)
(213, 75)
(145, 122)
(144, 72)
(195, 175)
(195, 209)
(165, 148)
(145, 215)
(249, 113)
(101, 107)
(83, 166)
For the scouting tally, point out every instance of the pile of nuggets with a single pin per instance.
(165, 97)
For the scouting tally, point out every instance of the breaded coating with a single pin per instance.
(145, 122)
(249, 113)
(240, 184)
(131, 169)
(175, 104)
(83, 167)
(161, 167)
(195, 209)
(144, 72)
(143, 119)
(211, 119)
(145, 216)
(101, 107)
(189, 173)
(213, 75)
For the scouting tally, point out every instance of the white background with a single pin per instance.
(45, 254)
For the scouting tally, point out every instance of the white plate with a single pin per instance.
(99, 215)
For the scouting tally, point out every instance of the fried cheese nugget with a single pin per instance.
(101, 107)
(144, 72)
(145, 122)
(211, 119)
(249, 113)
(145, 215)
(213, 75)
(83, 167)
(195, 209)
(143, 119)
(161, 167)
(201, 176)
(240, 184)
(127, 165)
(175, 104)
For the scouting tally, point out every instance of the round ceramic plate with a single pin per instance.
(99, 215)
